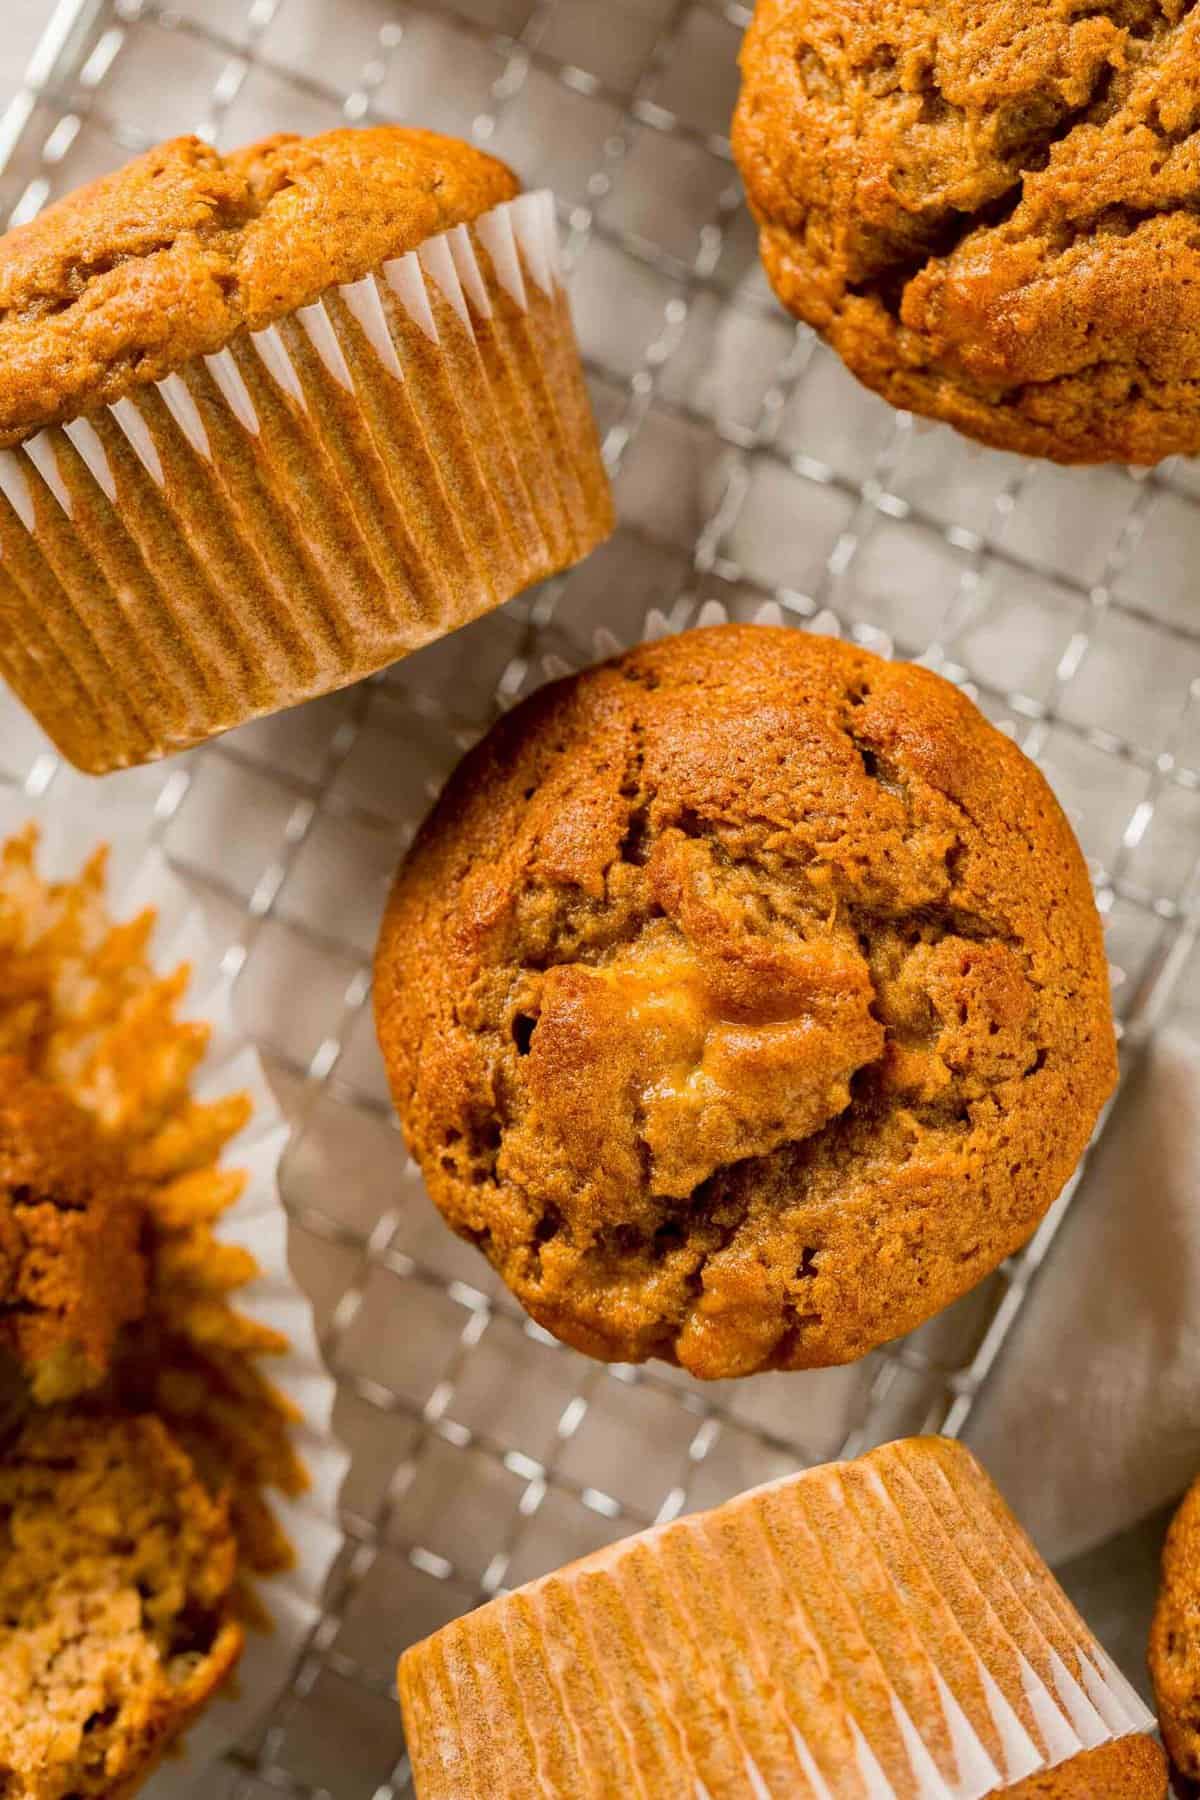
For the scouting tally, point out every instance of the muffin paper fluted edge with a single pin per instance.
(140, 878)
(880, 1630)
(306, 506)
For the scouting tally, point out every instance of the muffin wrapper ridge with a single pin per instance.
(140, 878)
(938, 1659)
(306, 506)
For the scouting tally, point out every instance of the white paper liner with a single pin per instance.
(313, 502)
(887, 1614)
(140, 877)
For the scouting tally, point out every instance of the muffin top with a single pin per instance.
(119, 283)
(744, 999)
(71, 1266)
(990, 206)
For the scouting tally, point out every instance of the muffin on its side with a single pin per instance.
(990, 210)
(1175, 1640)
(72, 1272)
(873, 1628)
(744, 999)
(274, 420)
(116, 1570)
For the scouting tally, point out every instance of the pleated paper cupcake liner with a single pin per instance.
(308, 505)
(879, 1629)
(139, 878)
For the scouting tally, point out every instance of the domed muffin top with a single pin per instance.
(990, 207)
(745, 1000)
(121, 282)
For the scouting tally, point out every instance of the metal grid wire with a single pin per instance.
(749, 469)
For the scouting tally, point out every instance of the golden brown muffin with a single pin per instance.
(744, 1000)
(116, 1570)
(276, 419)
(167, 259)
(1175, 1640)
(989, 208)
(879, 1627)
(83, 1007)
(72, 1272)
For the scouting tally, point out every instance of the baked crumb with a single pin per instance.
(116, 1573)
(72, 1271)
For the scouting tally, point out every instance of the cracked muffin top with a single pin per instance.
(72, 1271)
(744, 1000)
(989, 207)
(168, 258)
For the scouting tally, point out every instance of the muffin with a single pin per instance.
(116, 1571)
(1175, 1640)
(744, 1000)
(270, 421)
(84, 1012)
(72, 1271)
(989, 211)
(875, 1628)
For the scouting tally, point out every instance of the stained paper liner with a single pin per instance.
(879, 1629)
(276, 1314)
(307, 506)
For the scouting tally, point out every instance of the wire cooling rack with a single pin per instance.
(750, 470)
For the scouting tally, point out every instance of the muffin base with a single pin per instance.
(877, 1628)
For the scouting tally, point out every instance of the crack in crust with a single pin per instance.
(989, 209)
(747, 1014)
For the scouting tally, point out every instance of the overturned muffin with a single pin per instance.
(116, 1570)
(871, 1630)
(989, 208)
(72, 1272)
(744, 1000)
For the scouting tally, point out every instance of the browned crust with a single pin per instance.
(989, 209)
(1134, 1768)
(1175, 1639)
(119, 283)
(745, 1000)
